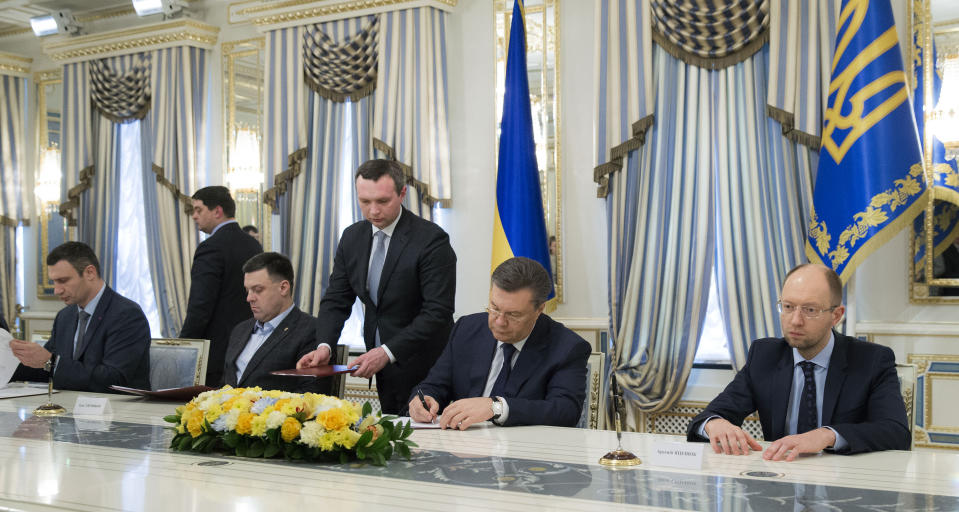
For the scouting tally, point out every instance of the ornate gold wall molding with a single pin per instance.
(273, 15)
(148, 37)
(930, 368)
(16, 65)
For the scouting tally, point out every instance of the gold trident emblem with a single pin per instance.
(857, 121)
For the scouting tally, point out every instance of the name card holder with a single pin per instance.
(678, 455)
(92, 406)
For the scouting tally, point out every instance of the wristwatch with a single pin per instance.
(497, 407)
(48, 366)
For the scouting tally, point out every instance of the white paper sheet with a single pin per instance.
(8, 361)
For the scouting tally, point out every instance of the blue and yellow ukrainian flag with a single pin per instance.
(519, 227)
(870, 182)
(945, 217)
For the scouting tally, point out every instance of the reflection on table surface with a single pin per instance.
(121, 462)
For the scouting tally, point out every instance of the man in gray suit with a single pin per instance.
(277, 336)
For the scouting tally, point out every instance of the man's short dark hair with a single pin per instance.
(277, 266)
(78, 254)
(250, 229)
(376, 169)
(217, 195)
(832, 279)
(521, 273)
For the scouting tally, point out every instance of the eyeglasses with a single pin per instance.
(807, 312)
(511, 316)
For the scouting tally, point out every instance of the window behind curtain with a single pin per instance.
(133, 265)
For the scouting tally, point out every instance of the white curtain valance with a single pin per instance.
(341, 70)
(121, 96)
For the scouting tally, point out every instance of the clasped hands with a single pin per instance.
(457, 415)
(727, 438)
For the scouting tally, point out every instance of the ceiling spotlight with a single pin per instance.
(60, 22)
(166, 7)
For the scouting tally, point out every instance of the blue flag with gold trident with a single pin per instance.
(870, 180)
(519, 227)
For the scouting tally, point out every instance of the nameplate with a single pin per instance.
(678, 455)
(92, 406)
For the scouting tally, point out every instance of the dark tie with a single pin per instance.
(808, 418)
(81, 330)
(499, 387)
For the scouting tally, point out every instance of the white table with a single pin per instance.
(121, 463)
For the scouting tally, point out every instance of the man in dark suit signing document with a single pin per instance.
(815, 389)
(403, 269)
(100, 339)
(513, 364)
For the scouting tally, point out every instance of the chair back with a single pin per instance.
(594, 412)
(177, 362)
(907, 385)
(340, 356)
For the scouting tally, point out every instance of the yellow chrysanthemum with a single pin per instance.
(244, 423)
(213, 413)
(258, 426)
(195, 422)
(333, 419)
(348, 438)
(290, 429)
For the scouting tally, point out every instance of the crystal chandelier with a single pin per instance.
(245, 173)
(47, 186)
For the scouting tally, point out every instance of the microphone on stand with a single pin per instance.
(618, 458)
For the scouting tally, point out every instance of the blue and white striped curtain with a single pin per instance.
(171, 137)
(304, 156)
(801, 38)
(763, 200)
(91, 163)
(13, 96)
(411, 117)
(661, 231)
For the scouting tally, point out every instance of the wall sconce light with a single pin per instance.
(60, 22)
(245, 173)
(47, 186)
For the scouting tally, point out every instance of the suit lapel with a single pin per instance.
(482, 362)
(782, 384)
(835, 377)
(276, 337)
(69, 321)
(401, 236)
(529, 358)
(236, 346)
(95, 320)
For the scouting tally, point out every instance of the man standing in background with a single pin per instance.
(217, 297)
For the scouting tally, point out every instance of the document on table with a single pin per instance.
(8, 361)
(417, 424)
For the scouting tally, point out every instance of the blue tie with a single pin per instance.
(808, 418)
(81, 332)
(499, 387)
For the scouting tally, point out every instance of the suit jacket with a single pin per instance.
(217, 297)
(291, 340)
(861, 401)
(546, 385)
(415, 308)
(115, 348)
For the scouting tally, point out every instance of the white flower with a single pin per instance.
(230, 418)
(311, 433)
(275, 419)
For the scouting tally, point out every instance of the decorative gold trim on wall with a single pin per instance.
(931, 367)
(13, 64)
(137, 39)
(277, 13)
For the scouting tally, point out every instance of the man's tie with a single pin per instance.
(499, 387)
(377, 257)
(808, 418)
(81, 330)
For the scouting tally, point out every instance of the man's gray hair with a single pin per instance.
(520, 273)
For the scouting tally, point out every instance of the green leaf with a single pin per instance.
(271, 450)
(367, 409)
(255, 449)
(364, 439)
(407, 442)
(231, 438)
(185, 442)
(388, 418)
(173, 418)
(344, 458)
(403, 450)
(408, 429)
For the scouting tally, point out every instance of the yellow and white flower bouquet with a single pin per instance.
(251, 422)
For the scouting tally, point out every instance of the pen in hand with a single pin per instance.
(419, 393)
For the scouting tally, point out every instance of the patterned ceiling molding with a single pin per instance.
(180, 32)
(16, 65)
(272, 15)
